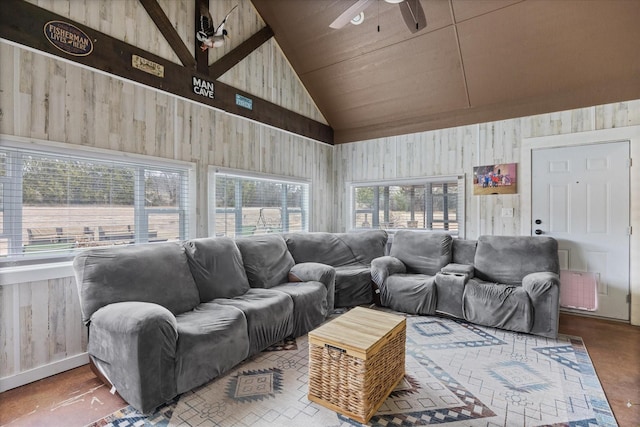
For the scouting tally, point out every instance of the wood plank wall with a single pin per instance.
(48, 327)
(456, 151)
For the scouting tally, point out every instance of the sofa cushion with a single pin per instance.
(507, 259)
(216, 266)
(337, 249)
(269, 316)
(464, 251)
(309, 304)
(207, 330)
(498, 306)
(153, 272)
(266, 260)
(422, 252)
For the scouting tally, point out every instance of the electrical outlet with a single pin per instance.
(507, 212)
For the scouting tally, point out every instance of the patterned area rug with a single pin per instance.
(457, 374)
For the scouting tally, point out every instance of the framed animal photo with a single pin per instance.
(495, 179)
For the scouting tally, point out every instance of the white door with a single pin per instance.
(580, 196)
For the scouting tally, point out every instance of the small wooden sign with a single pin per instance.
(68, 38)
(147, 66)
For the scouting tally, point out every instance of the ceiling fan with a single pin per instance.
(411, 10)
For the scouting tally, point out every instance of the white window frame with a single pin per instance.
(240, 173)
(423, 180)
(63, 149)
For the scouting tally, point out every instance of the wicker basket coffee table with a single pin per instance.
(356, 360)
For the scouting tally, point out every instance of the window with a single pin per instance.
(56, 201)
(426, 204)
(255, 204)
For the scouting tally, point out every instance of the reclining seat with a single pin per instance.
(516, 284)
(349, 253)
(217, 265)
(406, 277)
(149, 334)
(270, 268)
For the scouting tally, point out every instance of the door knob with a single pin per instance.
(538, 221)
(538, 231)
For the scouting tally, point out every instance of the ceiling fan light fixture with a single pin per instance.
(394, 1)
(358, 19)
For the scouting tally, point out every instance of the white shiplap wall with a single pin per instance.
(456, 151)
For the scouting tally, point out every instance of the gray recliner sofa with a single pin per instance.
(349, 253)
(508, 282)
(164, 318)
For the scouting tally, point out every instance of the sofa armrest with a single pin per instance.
(454, 268)
(538, 284)
(134, 345)
(543, 289)
(385, 266)
(316, 272)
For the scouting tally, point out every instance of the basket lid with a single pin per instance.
(359, 332)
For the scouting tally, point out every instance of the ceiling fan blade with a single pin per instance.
(413, 15)
(350, 13)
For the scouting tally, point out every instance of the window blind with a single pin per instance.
(246, 205)
(54, 204)
(435, 203)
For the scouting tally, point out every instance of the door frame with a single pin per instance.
(629, 133)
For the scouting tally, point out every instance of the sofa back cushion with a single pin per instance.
(422, 252)
(156, 273)
(266, 260)
(216, 266)
(337, 249)
(507, 259)
(464, 251)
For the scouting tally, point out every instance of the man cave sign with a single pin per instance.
(203, 87)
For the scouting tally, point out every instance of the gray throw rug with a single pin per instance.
(457, 374)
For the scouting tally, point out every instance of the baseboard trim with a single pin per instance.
(44, 371)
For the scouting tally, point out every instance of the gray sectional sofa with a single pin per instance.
(166, 317)
(508, 282)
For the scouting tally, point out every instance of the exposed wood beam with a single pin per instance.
(169, 32)
(240, 52)
(23, 23)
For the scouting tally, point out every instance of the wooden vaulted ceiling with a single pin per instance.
(477, 60)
